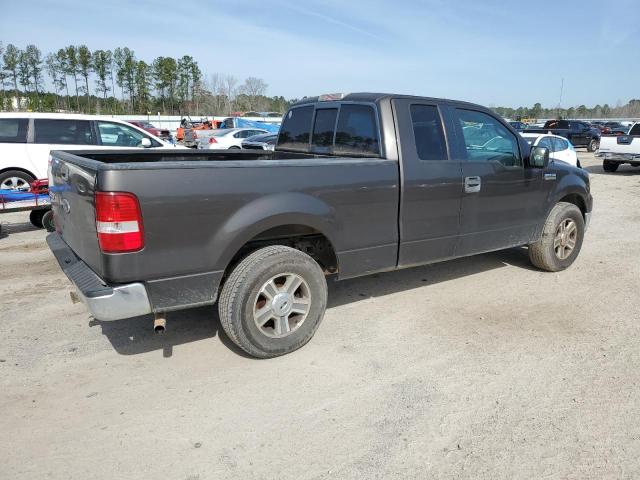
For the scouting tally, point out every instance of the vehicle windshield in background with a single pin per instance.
(221, 132)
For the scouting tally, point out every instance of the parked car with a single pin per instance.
(616, 128)
(228, 138)
(27, 138)
(162, 133)
(616, 150)
(519, 126)
(358, 184)
(579, 133)
(560, 149)
(265, 141)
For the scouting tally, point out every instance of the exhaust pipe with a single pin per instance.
(160, 323)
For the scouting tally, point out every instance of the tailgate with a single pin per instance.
(72, 189)
(625, 144)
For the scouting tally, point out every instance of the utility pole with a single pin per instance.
(560, 101)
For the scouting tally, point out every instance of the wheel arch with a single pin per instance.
(18, 169)
(293, 219)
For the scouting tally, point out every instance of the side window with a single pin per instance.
(296, 129)
(117, 135)
(635, 130)
(487, 140)
(428, 134)
(323, 129)
(13, 130)
(559, 145)
(546, 142)
(63, 132)
(357, 132)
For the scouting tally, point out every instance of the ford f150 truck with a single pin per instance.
(578, 133)
(357, 184)
(618, 149)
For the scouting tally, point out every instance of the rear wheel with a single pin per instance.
(593, 145)
(273, 301)
(36, 216)
(610, 166)
(15, 180)
(47, 221)
(561, 239)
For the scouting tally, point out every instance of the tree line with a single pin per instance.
(85, 81)
(630, 110)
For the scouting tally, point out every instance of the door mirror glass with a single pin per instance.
(539, 157)
(145, 143)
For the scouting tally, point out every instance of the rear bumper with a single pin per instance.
(619, 157)
(105, 302)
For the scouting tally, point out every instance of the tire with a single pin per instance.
(593, 145)
(15, 180)
(35, 217)
(610, 166)
(47, 221)
(234, 148)
(551, 252)
(245, 292)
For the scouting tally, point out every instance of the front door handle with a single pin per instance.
(472, 184)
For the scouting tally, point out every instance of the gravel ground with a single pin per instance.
(475, 368)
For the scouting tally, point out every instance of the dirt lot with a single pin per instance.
(476, 368)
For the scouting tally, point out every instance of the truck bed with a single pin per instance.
(196, 208)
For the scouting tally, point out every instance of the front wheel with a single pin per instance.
(561, 239)
(273, 301)
(593, 145)
(609, 166)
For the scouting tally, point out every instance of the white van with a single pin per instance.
(27, 138)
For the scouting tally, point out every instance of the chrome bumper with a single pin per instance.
(105, 302)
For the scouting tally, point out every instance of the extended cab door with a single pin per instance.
(431, 184)
(502, 201)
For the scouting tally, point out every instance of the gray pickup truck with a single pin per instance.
(357, 184)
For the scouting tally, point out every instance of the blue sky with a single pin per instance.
(498, 53)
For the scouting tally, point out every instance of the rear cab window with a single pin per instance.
(348, 129)
(13, 130)
(428, 133)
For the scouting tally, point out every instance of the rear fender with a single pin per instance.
(288, 208)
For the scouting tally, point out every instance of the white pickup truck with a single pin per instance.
(616, 150)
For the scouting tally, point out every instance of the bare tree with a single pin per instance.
(230, 90)
(253, 88)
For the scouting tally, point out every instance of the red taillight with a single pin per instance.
(118, 222)
(212, 140)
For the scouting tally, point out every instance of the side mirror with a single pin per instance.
(539, 157)
(145, 143)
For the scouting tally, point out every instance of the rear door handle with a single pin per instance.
(472, 184)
